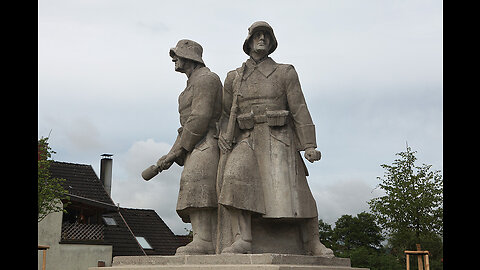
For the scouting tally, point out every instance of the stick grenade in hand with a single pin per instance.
(161, 165)
(150, 172)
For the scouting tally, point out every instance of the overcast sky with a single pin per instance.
(371, 73)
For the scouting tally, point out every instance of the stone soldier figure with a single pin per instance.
(196, 147)
(264, 173)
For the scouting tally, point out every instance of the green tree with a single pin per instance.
(325, 233)
(413, 199)
(359, 231)
(374, 259)
(50, 190)
(360, 239)
(411, 211)
(353, 232)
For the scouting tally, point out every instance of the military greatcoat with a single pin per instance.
(264, 173)
(199, 106)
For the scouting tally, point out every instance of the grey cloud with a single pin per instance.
(83, 134)
(345, 197)
(154, 27)
(160, 193)
(371, 73)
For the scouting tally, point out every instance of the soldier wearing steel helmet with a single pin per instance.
(264, 174)
(196, 147)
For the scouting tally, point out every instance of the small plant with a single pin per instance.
(50, 190)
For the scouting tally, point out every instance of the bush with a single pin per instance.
(375, 259)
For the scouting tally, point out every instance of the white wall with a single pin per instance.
(67, 256)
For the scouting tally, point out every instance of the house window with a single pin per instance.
(143, 242)
(110, 221)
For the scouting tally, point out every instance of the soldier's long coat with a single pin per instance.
(265, 173)
(199, 106)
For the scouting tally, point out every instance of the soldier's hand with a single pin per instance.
(172, 156)
(161, 161)
(311, 154)
(224, 146)
(167, 165)
(162, 164)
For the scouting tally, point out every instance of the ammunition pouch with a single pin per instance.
(276, 118)
(246, 120)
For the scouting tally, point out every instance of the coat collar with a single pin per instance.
(267, 66)
(196, 73)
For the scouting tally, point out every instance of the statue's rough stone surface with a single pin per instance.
(230, 262)
(196, 147)
(264, 175)
(244, 184)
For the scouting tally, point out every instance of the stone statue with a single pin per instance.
(265, 124)
(244, 185)
(196, 147)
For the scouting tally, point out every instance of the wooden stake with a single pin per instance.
(427, 263)
(419, 253)
(420, 263)
(44, 264)
(408, 262)
(44, 249)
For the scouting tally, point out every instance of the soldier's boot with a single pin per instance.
(202, 234)
(311, 240)
(242, 229)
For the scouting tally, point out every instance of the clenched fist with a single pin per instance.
(311, 154)
(162, 164)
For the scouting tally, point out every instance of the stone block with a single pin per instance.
(266, 261)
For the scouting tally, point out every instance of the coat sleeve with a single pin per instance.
(304, 127)
(205, 92)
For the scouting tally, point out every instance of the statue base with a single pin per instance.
(265, 261)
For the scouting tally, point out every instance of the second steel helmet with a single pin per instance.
(188, 49)
(260, 25)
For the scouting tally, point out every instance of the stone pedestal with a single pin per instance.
(231, 261)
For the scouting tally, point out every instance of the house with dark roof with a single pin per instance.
(94, 229)
(154, 240)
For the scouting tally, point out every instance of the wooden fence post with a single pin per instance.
(420, 254)
(419, 258)
(427, 263)
(44, 249)
(408, 262)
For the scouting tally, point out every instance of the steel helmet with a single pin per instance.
(260, 25)
(188, 49)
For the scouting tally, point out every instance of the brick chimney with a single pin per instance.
(106, 164)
